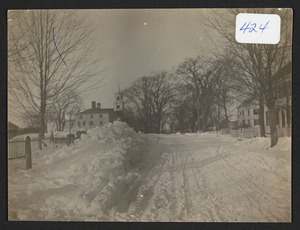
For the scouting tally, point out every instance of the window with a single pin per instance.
(100, 115)
(248, 112)
(80, 116)
(92, 116)
(267, 118)
(118, 106)
(256, 122)
(101, 123)
(78, 124)
(91, 123)
(83, 123)
(118, 98)
(255, 111)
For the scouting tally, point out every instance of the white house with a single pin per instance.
(248, 115)
(97, 116)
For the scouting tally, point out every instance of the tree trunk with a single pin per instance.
(158, 125)
(273, 123)
(70, 128)
(218, 118)
(198, 119)
(261, 117)
(42, 119)
(146, 126)
(63, 121)
(42, 127)
(59, 124)
(288, 116)
(225, 111)
(204, 123)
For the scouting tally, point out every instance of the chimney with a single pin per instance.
(98, 106)
(93, 104)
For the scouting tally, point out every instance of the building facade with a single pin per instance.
(248, 116)
(97, 116)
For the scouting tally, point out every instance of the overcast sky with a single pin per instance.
(136, 42)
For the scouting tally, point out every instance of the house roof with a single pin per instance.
(250, 101)
(96, 111)
(12, 126)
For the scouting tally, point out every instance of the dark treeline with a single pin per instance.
(192, 98)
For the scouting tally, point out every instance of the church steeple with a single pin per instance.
(119, 105)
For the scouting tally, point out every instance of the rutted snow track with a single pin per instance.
(213, 183)
(198, 178)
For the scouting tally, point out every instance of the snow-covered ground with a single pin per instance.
(115, 174)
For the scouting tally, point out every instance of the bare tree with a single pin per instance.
(262, 65)
(224, 88)
(51, 58)
(61, 107)
(137, 101)
(201, 78)
(71, 111)
(184, 116)
(162, 91)
(151, 97)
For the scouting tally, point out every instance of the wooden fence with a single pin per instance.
(245, 133)
(16, 149)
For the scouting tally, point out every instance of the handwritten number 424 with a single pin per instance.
(251, 27)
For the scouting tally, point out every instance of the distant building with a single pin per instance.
(248, 116)
(12, 130)
(97, 116)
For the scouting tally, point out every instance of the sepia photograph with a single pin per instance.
(150, 115)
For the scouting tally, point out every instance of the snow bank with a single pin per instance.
(118, 134)
(81, 177)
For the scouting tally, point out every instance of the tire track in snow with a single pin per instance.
(212, 205)
(186, 185)
(173, 200)
(188, 171)
(239, 187)
(247, 180)
(208, 205)
(147, 190)
(202, 197)
(196, 197)
(179, 199)
(248, 187)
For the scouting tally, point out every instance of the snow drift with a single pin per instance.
(79, 180)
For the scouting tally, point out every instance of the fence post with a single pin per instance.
(28, 152)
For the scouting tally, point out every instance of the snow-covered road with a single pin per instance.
(204, 178)
(198, 178)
